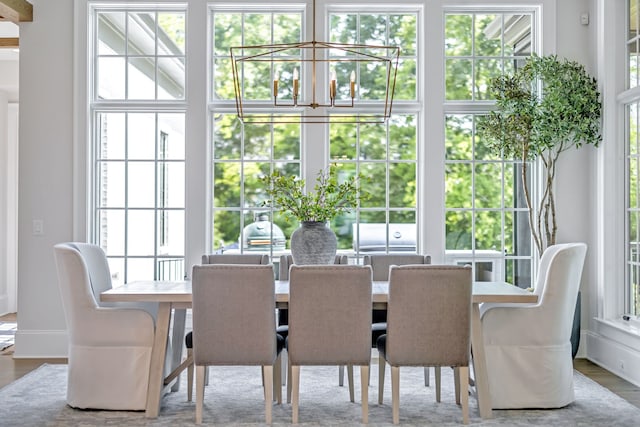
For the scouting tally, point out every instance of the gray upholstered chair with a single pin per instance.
(535, 336)
(428, 324)
(330, 323)
(109, 348)
(262, 259)
(286, 261)
(234, 323)
(380, 264)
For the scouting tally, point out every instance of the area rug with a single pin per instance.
(7, 334)
(234, 398)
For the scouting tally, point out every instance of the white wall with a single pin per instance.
(45, 173)
(574, 199)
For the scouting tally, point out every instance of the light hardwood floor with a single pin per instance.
(11, 369)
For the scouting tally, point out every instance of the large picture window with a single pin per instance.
(486, 217)
(175, 173)
(138, 151)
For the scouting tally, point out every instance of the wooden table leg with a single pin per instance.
(480, 364)
(156, 370)
(177, 342)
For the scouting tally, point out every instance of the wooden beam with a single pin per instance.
(16, 11)
(9, 42)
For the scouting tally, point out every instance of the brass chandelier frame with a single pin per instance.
(311, 55)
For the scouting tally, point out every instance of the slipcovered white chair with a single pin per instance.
(330, 324)
(100, 277)
(261, 259)
(429, 324)
(234, 323)
(109, 348)
(527, 346)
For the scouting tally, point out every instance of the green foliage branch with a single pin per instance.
(329, 198)
(542, 110)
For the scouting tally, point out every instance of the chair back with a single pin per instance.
(100, 277)
(380, 263)
(78, 300)
(286, 261)
(97, 267)
(236, 259)
(559, 276)
(329, 315)
(233, 314)
(429, 315)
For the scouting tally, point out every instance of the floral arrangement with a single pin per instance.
(329, 198)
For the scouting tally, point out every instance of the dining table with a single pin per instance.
(174, 298)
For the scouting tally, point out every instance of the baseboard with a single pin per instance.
(614, 356)
(40, 344)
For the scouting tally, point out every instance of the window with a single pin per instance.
(486, 216)
(243, 152)
(137, 109)
(632, 151)
(151, 133)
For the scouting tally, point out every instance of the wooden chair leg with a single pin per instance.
(284, 356)
(438, 381)
(189, 375)
(294, 379)
(395, 394)
(426, 376)
(289, 381)
(464, 396)
(199, 393)
(267, 377)
(350, 379)
(277, 380)
(381, 366)
(456, 381)
(364, 392)
(341, 375)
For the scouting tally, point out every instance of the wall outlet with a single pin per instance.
(38, 227)
(584, 19)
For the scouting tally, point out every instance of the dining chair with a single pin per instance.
(110, 348)
(380, 264)
(286, 261)
(261, 259)
(330, 324)
(527, 346)
(234, 323)
(100, 277)
(428, 324)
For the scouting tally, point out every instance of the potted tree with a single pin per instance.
(542, 110)
(313, 242)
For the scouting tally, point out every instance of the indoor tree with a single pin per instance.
(543, 109)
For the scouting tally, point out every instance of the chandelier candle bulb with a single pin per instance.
(276, 77)
(332, 85)
(352, 84)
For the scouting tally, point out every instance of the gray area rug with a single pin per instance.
(234, 397)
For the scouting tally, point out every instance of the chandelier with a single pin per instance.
(316, 81)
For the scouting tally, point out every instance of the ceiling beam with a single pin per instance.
(9, 42)
(16, 11)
